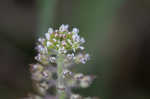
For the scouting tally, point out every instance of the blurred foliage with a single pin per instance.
(45, 12)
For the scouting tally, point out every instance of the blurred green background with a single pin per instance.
(117, 34)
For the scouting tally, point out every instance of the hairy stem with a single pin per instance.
(60, 80)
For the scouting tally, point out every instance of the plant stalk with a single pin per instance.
(60, 80)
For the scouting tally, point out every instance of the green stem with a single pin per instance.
(60, 80)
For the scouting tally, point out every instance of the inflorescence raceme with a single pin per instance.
(52, 77)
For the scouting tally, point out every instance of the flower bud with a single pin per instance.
(67, 74)
(75, 96)
(37, 76)
(52, 59)
(85, 81)
(78, 76)
(47, 75)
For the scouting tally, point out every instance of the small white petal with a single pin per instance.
(75, 30)
(76, 38)
(52, 59)
(70, 56)
(78, 76)
(81, 47)
(54, 40)
(85, 82)
(62, 50)
(45, 74)
(57, 45)
(67, 73)
(66, 27)
(75, 96)
(50, 30)
(63, 43)
(82, 40)
(56, 35)
(48, 43)
(65, 51)
(47, 35)
(39, 48)
(38, 57)
(69, 41)
(83, 61)
(56, 31)
(62, 28)
(87, 56)
(41, 40)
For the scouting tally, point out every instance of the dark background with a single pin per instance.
(117, 34)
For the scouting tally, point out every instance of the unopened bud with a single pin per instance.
(75, 96)
(67, 74)
(78, 76)
(85, 81)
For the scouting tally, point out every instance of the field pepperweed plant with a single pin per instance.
(52, 76)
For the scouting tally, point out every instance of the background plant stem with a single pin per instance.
(45, 9)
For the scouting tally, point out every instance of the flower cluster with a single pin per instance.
(61, 40)
(58, 50)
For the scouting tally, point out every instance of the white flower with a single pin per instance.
(52, 59)
(75, 46)
(85, 81)
(35, 66)
(81, 47)
(56, 34)
(62, 50)
(76, 38)
(41, 49)
(63, 28)
(67, 73)
(69, 41)
(47, 35)
(57, 45)
(75, 30)
(70, 56)
(48, 43)
(63, 43)
(45, 74)
(65, 51)
(54, 40)
(75, 96)
(82, 58)
(87, 56)
(38, 57)
(82, 40)
(66, 27)
(78, 76)
(50, 30)
(41, 40)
